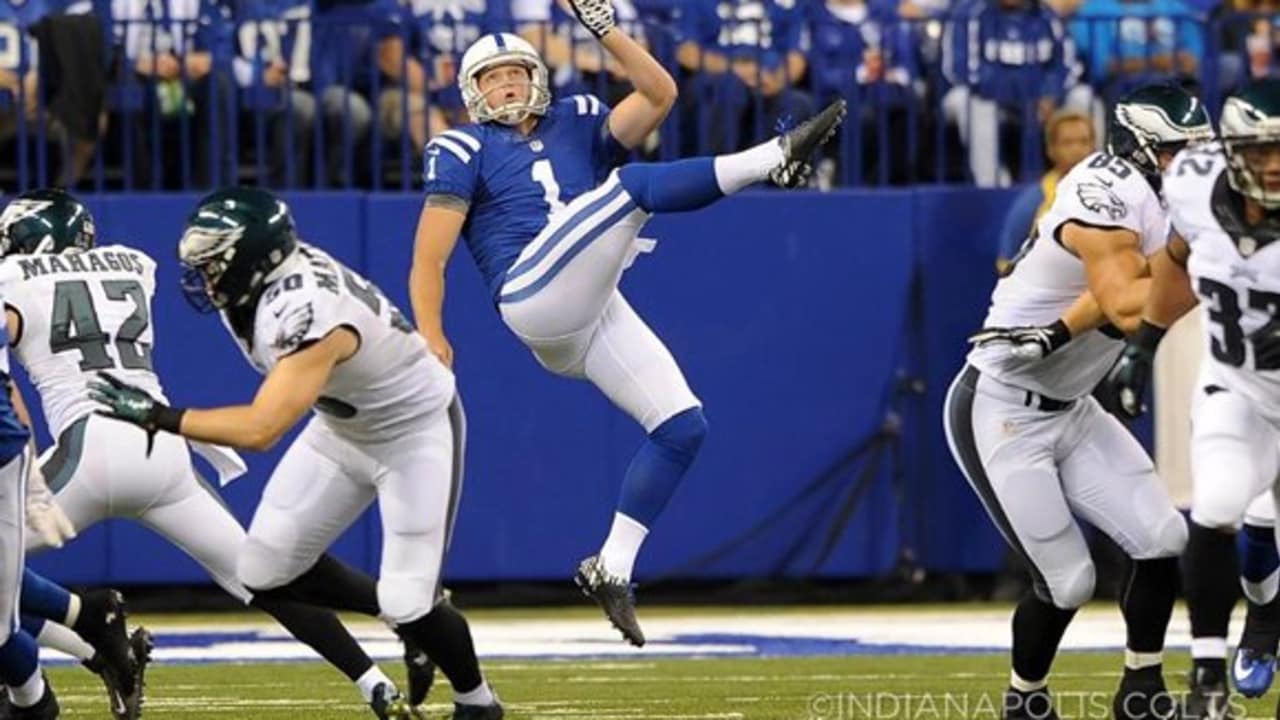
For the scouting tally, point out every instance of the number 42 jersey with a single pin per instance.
(1234, 269)
(81, 312)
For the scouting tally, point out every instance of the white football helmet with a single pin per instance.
(503, 49)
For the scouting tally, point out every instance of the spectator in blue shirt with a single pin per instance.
(273, 67)
(361, 45)
(181, 51)
(19, 83)
(1129, 43)
(441, 31)
(867, 57)
(742, 61)
(1069, 138)
(1010, 63)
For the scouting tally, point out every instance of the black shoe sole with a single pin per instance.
(634, 636)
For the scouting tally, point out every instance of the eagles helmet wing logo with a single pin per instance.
(295, 323)
(1098, 198)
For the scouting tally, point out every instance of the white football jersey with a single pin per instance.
(392, 380)
(81, 312)
(1234, 270)
(1046, 278)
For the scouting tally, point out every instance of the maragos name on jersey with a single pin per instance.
(100, 261)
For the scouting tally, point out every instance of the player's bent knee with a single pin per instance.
(682, 433)
(1075, 587)
(1169, 538)
(1219, 513)
(405, 598)
(260, 568)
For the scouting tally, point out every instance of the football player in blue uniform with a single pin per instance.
(532, 186)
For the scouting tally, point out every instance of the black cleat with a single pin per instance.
(45, 709)
(102, 625)
(1208, 698)
(614, 595)
(478, 712)
(1034, 705)
(1143, 696)
(389, 704)
(125, 705)
(799, 144)
(421, 672)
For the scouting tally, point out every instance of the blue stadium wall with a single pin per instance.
(809, 324)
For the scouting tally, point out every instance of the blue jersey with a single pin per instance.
(13, 434)
(513, 183)
(17, 51)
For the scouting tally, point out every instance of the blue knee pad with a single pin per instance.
(660, 465)
(682, 434)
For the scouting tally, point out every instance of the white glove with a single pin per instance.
(44, 517)
(595, 15)
(1025, 343)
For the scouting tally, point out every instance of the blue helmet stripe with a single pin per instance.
(502, 43)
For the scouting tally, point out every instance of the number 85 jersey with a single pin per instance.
(81, 313)
(509, 184)
(1234, 269)
(1101, 191)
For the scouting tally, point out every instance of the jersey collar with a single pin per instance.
(1228, 210)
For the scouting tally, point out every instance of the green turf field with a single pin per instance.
(880, 687)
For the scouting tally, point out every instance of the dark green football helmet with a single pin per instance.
(45, 221)
(1251, 141)
(1156, 118)
(234, 238)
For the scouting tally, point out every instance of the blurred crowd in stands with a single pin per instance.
(172, 94)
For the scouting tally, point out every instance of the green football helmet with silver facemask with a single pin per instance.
(45, 221)
(1251, 140)
(233, 240)
(1155, 119)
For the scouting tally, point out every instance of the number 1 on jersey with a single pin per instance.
(545, 176)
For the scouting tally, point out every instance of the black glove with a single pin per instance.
(1026, 343)
(132, 404)
(1266, 346)
(1125, 388)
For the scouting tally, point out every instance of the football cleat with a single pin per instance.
(799, 144)
(1252, 672)
(1143, 696)
(125, 705)
(614, 595)
(110, 640)
(1034, 705)
(421, 672)
(1208, 698)
(44, 709)
(388, 704)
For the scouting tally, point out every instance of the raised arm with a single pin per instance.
(642, 111)
(439, 225)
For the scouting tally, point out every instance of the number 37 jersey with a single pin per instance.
(81, 313)
(1234, 269)
(512, 183)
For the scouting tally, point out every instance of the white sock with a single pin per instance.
(370, 680)
(1026, 686)
(1209, 648)
(482, 696)
(622, 546)
(62, 638)
(29, 692)
(1137, 661)
(73, 610)
(736, 171)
